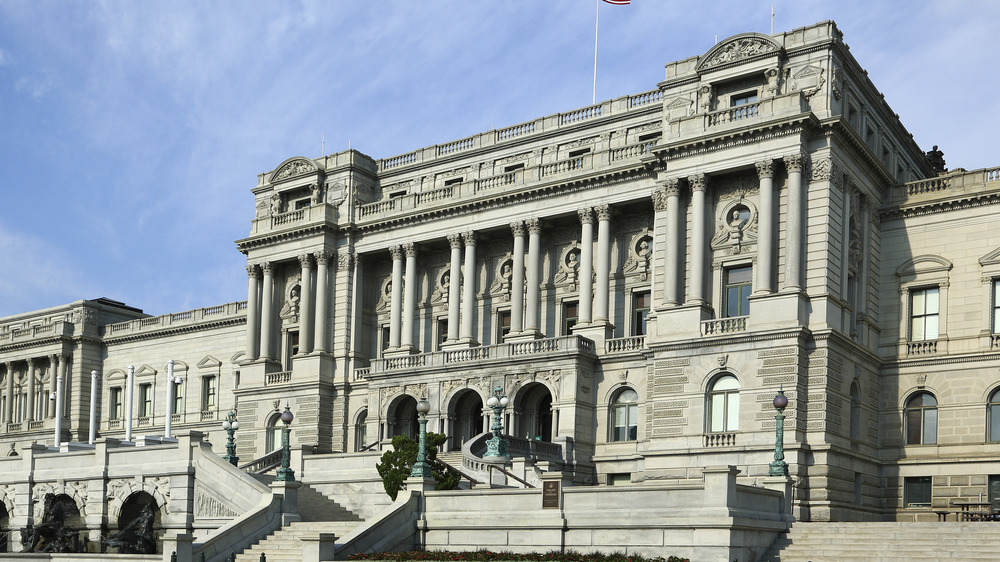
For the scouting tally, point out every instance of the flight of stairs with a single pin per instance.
(319, 513)
(873, 542)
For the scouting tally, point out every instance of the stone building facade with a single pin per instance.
(641, 276)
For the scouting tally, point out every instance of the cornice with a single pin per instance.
(232, 321)
(801, 333)
(969, 201)
(942, 360)
(736, 137)
(245, 244)
(35, 343)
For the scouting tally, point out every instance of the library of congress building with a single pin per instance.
(640, 277)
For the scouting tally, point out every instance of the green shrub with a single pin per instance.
(398, 462)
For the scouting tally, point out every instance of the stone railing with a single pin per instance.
(263, 464)
(37, 424)
(277, 378)
(731, 114)
(208, 415)
(52, 329)
(287, 218)
(500, 352)
(434, 195)
(498, 181)
(153, 323)
(143, 421)
(619, 345)
(568, 165)
(456, 146)
(957, 184)
(926, 347)
(632, 150)
(514, 132)
(739, 116)
(720, 439)
(115, 424)
(721, 326)
(583, 114)
(361, 373)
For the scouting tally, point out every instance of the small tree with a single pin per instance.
(398, 462)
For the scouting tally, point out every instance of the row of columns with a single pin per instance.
(58, 366)
(262, 303)
(666, 201)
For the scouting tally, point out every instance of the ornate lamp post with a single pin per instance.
(286, 474)
(421, 468)
(778, 466)
(230, 424)
(496, 447)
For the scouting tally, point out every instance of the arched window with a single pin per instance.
(724, 404)
(920, 419)
(993, 416)
(855, 412)
(272, 440)
(624, 415)
(361, 430)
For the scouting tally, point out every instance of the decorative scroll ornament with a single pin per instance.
(738, 48)
(296, 167)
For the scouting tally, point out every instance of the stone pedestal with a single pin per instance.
(678, 322)
(179, 543)
(318, 548)
(598, 332)
(421, 485)
(783, 484)
(289, 500)
(779, 311)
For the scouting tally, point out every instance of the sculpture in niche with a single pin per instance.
(291, 308)
(137, 537)
(275, 204)
(640, 255)
(501, 285)
(55, 533)
(569, 266)
(738, 228)
(316, 193)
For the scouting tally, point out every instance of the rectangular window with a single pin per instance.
(115, 407)
(208, 393)
(571, 313)
(178, 399)
(442, 331)
(745, 104)
(996, 306)
(738, 284)
(301, 204)
(503, 324)
(924, 310)
(384, 337)
(145, 400)
(619, 479)
(452, 181)
(640, 312)
(917, 491)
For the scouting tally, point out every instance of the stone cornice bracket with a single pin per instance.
(534, 225)
(517, 228)
(765, 168)
(455, 240)
(253, 270)
(411, 249)
(698, 182)
(586, 215)
(469, 238)
(396, 252)
(603, 212)
(795, 162)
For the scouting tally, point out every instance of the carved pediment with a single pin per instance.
(737, 48)
(209, 362)
(293, 167)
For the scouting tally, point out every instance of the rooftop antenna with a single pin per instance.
(772, 19)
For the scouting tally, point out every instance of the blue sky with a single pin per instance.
(132, 132)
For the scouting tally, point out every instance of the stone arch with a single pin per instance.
(120, 489)
(74, 491)
(742, 47)
(465, 412)
(132, 506)
(401, 417)
(533, 411)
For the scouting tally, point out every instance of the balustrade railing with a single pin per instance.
(645, 98)
(720, 326)
(732, 114)
(143, 421)
(502, 180)
(207, 415)
(456, 146)
(36, 424)
(167, 320)
(583, 114)
(720, 439)
(632, 150)
(564, 166)
(514, 132)
(395, 161)
(926, 347)
(619, 345)
(277, 378)
(435, 195)
(114, 424)
(484, 353)
(377, 207)
(288, 218)
(928, 185)
(362, 373)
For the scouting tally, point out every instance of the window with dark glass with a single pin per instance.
(640, 312)
(917, 491)
(145, 400)
(208, 393)
(384, 337)
(921, 419)
(503, 324)
(924, 311)
(738, 284)
(571, 313)
(442, 331)
(115, 408)
(993, 416)
(178, 399)
(744, 104)
(624, 410)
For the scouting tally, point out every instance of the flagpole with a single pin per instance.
(597, 19)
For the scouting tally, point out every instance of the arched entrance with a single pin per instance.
(59, 528)
(138, 521)
(403, 417)
(4, 527)
(534, 412)
(467, 417)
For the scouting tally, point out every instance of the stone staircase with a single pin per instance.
(319, 513)
(873, 542)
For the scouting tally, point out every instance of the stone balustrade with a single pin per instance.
(190, 317)
(39, 331)
(722, 326)
(720, 439)
(621, 345)
(926, 347)
(976, 183)
(283, 377)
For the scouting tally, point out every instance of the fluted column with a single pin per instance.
(794, 233)
(395, 304)
(586, 271)
(517, 280)
(267, 313)
(674, 252)
(766, 223)
(253, 312)
(410, 298)
(533, 279)
(469, 293)
(602, 283)
(454, 285)
(698, 247)
(322, 314)
(306, 312)
(8, 407)
(29, 410)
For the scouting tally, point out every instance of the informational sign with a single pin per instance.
(550, 494)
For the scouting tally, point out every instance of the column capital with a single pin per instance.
(517, 227)
(455, 240)
(54, 358)
(586, 215)
(322, 257)
(305, 260)
(698, 182)
(31, 362)
(345, 259)
(765, 168)
(396, 252)
(253, 270)
(266, 267)
(534, 225)
(603, 212)
(358, 259)
(795, 162)
(411, 249)
(469, 237)
(660, 199)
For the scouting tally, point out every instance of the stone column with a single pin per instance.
(168, 424)
(29, 410)
(129, 391)
(586, 271)
(253, 312)
(517, 280)
(454, 285)
(321, 319)
(307, 309)
(64, 363)
(602, 284)
(396, 296)
(55, 370)
(766, 223)
(698, 240)
(533, 280)
(674, 254)
(469, 294)
(410, 298)
(267, 313)
(8, 407)
(794, 232)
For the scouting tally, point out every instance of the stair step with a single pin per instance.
(889, 541)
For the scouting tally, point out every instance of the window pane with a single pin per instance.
(931, 328)
(740, 275)
(744, 300)
(917, 330)
(718, 411)
(733, 412)
(918, 303)
(631, 424)
(932, 301)
(913, 427)
(994, 422)
(727, 382)
(930, 426)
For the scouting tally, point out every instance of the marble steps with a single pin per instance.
(285, 544)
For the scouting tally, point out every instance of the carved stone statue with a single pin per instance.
(53, 534)
(137, 537)
(936, 159)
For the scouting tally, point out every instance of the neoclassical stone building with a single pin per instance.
(641, 276)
